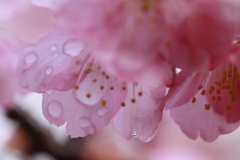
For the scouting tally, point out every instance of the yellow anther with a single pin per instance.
(228, 108)
(219, 98)
(218, 83)
(194, 100)
(233, 98)
(168, 44)
(223, 80)
(218, 91)
(207, 106)
(200, 87)
(75, 87)
(227, 87)
(203, 92)
(212, 88)
(133, 100)
(88, 95)
(123, 104)
(87, 70)
(76, 74)
(104, 102)
(213, 98)
(78, 62)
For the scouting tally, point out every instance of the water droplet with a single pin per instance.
(55, 109)
(149, 139)
(55, 54)
(49, 70)
(49, 92)
(73, 47)
(31, 57)
(102, 111)
(134, 134)
(53, 47)
(84, 122)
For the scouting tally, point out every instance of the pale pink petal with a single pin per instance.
(9, 85)
(53, 63)
(11, 8)
(83, 119)
(194, 120)
(140, 118)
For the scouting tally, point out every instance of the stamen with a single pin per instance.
(140, 93)
(88, 95)
(228, 108)
(133, 100)
(213, 98)
(203, 92)
(76, 87)
(194, 100)
(123, 104)
(219, 98)
(102, 87)
(94, 80)
(200, 87)
(218, 91)
(111, 88)
(78, 62)
(104, 102)
(207, 106)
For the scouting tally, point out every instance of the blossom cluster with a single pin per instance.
(113, 61)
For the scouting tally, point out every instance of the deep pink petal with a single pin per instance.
(205, 33)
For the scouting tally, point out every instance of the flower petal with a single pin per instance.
(194, 120)
(141, 117)
(52, 63)
(82, 119)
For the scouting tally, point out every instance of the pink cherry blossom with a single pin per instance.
(111, 60)
(79, 90)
